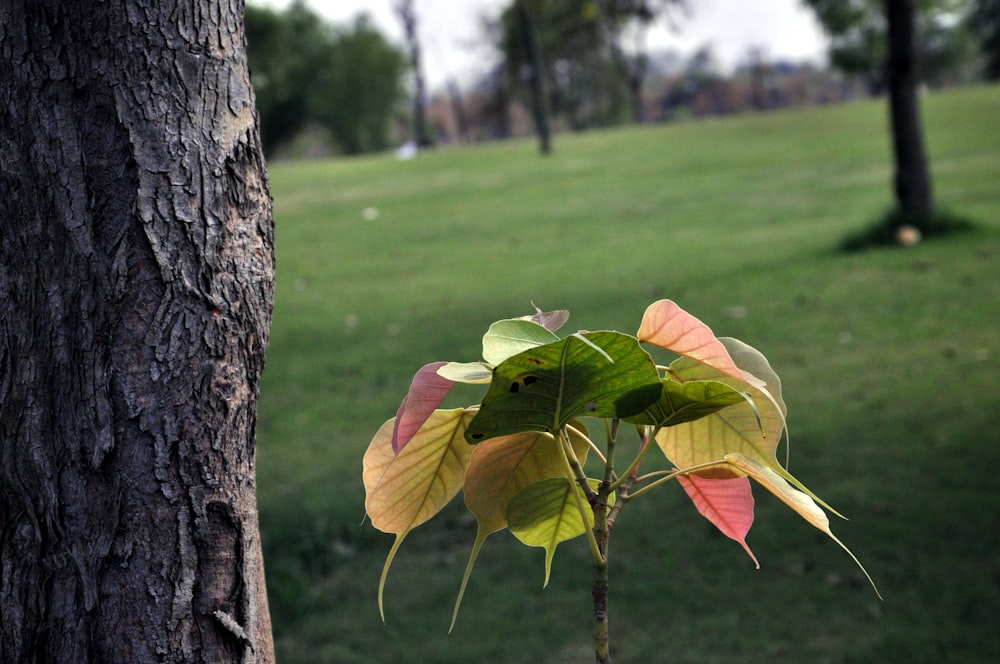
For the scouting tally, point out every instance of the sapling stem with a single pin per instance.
(602, 534)
(611, 432)
(576, 470)
(644, 445)
(673, 474)
(599, 591)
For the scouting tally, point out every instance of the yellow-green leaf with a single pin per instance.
(498, 470)
(509, 337)
(466, 372)
(546, 513)
(800, 502)
(406, 489)
(753, 430)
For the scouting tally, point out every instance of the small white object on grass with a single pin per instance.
(907, 236)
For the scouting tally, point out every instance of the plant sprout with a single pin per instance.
(715, 412)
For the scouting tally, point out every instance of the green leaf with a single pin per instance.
(406, 489)
(502, 467)
(686, 402)
(543, 388)
(546, 513)
(512, 336)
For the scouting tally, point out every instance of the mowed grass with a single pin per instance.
(889, 361)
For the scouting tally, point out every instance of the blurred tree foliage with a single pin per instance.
(586, 77)
(984, 20)
(347, 80)
(859, 44)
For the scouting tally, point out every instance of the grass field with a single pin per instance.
(890, 363)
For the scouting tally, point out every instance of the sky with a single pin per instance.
(453, 43)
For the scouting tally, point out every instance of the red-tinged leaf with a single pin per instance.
(668, 326)
(727, 503)
(427, 391)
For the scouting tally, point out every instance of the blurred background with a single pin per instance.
(436, 166)
(352, 76)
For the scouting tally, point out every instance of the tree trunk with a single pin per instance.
(912, 180)
(539, 96)
(136, 286)
(408, 16)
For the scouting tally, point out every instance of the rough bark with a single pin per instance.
(136, 285)
(912, 181)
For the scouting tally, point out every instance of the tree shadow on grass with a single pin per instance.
(897, 228)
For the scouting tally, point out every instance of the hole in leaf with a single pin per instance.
(530, 380)
(514, 387)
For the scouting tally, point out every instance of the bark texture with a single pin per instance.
(136, 286)
(912, 179)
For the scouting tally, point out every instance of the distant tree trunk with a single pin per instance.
(912, 179)
(539, 96)
(408, 16)
(758, 78)
(136, 285)
(499, 106)
(634, 73)
(458, 108)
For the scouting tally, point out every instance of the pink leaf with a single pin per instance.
(427, 391)
(667, 325)
(727, 503)
(550, 320)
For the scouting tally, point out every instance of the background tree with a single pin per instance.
(984, 21)
(858, 32)
(622, 19)
(591, 76)
(346, 80)
(357, 89)
(136, 287)
(912, 180)
(582, 83)
(285, 51)
(407, 13)
(533, 62)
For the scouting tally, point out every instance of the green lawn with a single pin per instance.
(889, 363)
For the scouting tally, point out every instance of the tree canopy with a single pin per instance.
(859, 44)
(984, 21)
(347, 80)
(586, 75)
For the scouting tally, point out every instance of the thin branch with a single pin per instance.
(672, 475)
